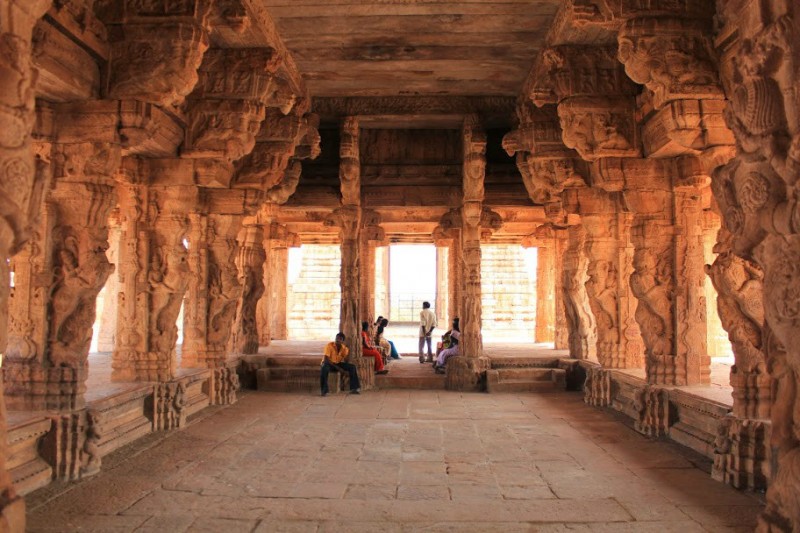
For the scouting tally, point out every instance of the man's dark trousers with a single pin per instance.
(328, 367)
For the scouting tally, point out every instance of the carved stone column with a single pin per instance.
(756, 193)
(545, 292)
(347, 219)
(154, 277)
(20, 188)
(371, 235)
(742, 455)
(73, 267)
(468, 371)
(442, 281)
(561, 333)
(250, 261)
(580, 320)
(448, 233)
(108, 317)
(280, 242)
(214, 289)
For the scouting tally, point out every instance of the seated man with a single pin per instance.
(334, 361)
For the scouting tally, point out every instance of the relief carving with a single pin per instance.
(580, 320)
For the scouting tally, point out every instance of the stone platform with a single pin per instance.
(397, 461)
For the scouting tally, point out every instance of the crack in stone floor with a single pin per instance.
(399, 460)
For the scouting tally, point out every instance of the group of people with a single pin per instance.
(373, 344)
(382, 350)
(448, 347)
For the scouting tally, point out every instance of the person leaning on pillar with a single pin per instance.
(334, 360)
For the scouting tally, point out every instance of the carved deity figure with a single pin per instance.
(602, 290)
(81, 270)
(654, 310)
(90, 454)
(223, 292)
(740, 287)
(168, 280)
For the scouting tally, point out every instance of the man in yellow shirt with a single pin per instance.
(334, 360)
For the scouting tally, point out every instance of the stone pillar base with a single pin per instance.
(467, 374)
(71, 445)
(742, 453)
(366, 373)
(597, 387)
(225, 385)
(652, 408)
(34, 388)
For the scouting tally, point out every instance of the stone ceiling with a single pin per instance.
(413, 47)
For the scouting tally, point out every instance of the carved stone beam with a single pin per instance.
(156, 47)
(228, 105)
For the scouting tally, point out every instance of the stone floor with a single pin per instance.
(398, 461)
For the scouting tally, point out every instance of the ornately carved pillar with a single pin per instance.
(278, 255)
(70, 256)
(742, 456)
(347, 219)
(371, 235)
(108, 318)
(757, 196)
(545, 292)
(448, 233)
(561, 333)
(154, 277)
(580, 320)
(466, 372)
(250, 261)
(20, 188)
(214, 289)
(442, 281)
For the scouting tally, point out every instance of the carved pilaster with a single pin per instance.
(348, 220)
(652, 407)
(561, 333)
(742, 454)
(350, 162)
(156, 47)
(597, 387)
(280, 242)
(448, 233)
(250, 261)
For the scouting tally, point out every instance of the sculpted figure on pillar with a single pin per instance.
(350, 162)
(223, 283)
(580, 320)
(250, 262)
(156, 47)
(740, 286)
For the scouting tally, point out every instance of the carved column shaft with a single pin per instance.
(250, 261)
(456, 274)
(545, 294)
(20, 187)
(73, 268)
(561, 329)
(579, 317)
(278, 288)
(214, 290)
(154, 277)
(442, 282)
(367, 289)
(108, 317)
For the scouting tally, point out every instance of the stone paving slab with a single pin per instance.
(399, 461)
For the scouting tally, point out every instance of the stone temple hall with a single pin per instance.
(197, 196)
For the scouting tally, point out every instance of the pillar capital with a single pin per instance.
(156, 48)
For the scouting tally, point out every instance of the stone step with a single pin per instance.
(295, 379)
(390, 381)
(524, 362)
(526, 380)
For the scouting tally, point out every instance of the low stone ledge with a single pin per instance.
(29, 471)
